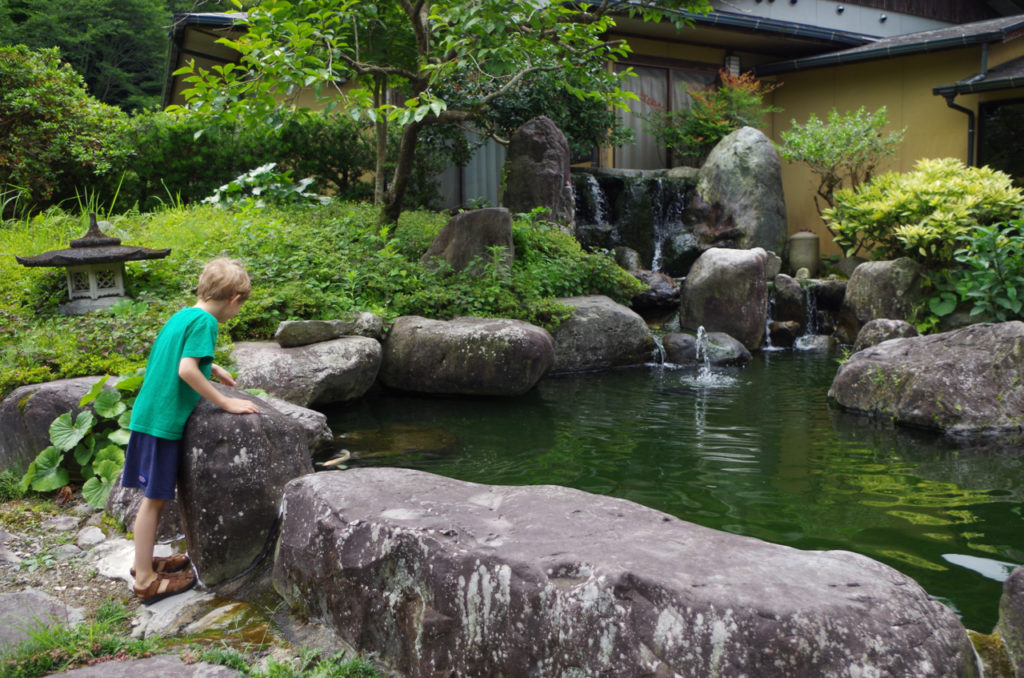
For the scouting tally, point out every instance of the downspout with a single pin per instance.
(970, 126)
(970, 114)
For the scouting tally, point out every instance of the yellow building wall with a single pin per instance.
(902, 84)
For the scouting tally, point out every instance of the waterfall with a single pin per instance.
(598, 200)
(768, 325)
(811, 302)
(658, 356)
(667, 206)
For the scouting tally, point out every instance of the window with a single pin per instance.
(1000, 143)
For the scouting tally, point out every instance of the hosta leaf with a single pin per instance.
(65, 434)
(96, 490)
(108, 404)
(49, 475)
(96, 389)
(120, 436)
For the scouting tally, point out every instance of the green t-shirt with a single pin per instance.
(165, 401)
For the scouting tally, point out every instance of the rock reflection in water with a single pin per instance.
(395, 440)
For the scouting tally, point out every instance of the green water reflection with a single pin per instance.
(756, 451)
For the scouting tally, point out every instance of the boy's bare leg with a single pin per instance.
(146, 521)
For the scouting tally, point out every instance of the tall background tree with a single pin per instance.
(414, 64)
(118, 46)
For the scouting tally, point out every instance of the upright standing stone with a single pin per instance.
(743, 176)
(538, 173)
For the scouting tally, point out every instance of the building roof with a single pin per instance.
(1008, 75)
(977, 33)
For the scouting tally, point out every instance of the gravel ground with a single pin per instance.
(41, 547)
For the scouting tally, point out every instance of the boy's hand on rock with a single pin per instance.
(221, 375)
(240, 406)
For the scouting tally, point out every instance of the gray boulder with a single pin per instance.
(233, 471)
(537, 171)
(1011, 619)
(27, 412)
(123, 505)
(790, 303)
(726, 292)
(662, 293)
(466, 240)
(600, 334)
(291, 333)
(743, 176)
(443, 577)
(327, 372)
(876, 331)
(962, 382)
(123, 502)
(884, 289)
(465, 356)
(784, 333)
(681, 349)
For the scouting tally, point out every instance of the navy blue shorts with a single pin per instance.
(151, 463)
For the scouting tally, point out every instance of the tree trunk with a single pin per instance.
(381, 126)
(403, 170)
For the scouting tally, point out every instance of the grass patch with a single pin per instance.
(306, 262)
(51, 649)
(310, 664)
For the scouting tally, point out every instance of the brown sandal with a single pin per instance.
(168, 564)
(165, 585)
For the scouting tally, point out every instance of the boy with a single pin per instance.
(177, 376)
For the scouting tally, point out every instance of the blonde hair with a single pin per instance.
(223, 278)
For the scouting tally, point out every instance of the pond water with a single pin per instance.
(755, 450)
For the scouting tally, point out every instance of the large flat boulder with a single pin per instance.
(465, 356)
(316, 374)
(600, 334)
(442, 577)
(27, 412)
(233, 471)
(967, 381)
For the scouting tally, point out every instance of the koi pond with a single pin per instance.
(755, 450)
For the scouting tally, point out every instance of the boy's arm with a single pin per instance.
(188, 370)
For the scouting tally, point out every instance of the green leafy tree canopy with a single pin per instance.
(448, 59)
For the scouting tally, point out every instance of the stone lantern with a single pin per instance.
(95, 267)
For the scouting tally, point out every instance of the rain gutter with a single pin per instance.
(871, 54)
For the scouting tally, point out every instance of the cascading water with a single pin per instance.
(667, 208)
(597, 199)
(811, 303)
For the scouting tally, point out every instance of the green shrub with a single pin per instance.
(922, 214)
(714, 112)
(53, 135)
(991, 274)
(847, 147)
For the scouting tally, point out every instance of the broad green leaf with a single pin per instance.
(93, 392)
(65, 434)
(120, 437)
(111, 453)
(84, 450)
(130, 383)
(96, 490)
(49, 476)
(125, 419)
(108, 404)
